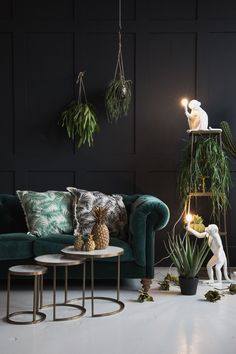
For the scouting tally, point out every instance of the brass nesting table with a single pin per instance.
(37, 272)
(58, 260)
(110, 251)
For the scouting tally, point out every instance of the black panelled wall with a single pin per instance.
(171, 49)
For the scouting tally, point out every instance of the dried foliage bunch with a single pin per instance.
(79, 118)
(187, 254)
(210, 163)
(144, 296)
(212, 296)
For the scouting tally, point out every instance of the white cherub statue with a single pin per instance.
(219, 258)
(197, 118)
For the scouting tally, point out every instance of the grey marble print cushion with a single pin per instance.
(86, 201)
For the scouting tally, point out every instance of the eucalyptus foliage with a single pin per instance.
(118, 99)
(210, 162)
(81, 122)
(186, 254)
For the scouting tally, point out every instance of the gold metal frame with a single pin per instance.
(37, 301)
(92, 297)
(66, 303)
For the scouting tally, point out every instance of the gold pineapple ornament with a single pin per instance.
(197, 223)
(100, 229)
(89, 244)
(78, 242)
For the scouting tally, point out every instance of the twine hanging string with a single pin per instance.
(80, 82)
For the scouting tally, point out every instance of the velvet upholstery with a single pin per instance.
(16, 246)
(146, 215)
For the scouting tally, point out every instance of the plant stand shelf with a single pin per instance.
(222, 215)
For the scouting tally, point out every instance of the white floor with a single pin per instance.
(173, 324)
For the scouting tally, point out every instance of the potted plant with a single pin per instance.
(188, 256)
(205, 168)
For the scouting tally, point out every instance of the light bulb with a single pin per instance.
(184, 102)
(189, 218)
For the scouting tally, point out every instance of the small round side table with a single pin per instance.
(27, 270)
(110, 251)
(58, 260)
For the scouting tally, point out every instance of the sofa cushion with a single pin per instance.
(11, 215)
(16, 246)
(47, 212)
(84, 204)
(55, 243)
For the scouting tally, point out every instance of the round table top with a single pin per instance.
(28, 269)
(110, 251)
(58, 260)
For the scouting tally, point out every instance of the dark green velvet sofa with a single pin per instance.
(147, 214)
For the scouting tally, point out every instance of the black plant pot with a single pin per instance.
(188, 286)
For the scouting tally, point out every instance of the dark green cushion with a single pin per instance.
(12, 217)
(54, 244)
(16, 246)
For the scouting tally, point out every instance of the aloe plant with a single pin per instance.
(186, 254)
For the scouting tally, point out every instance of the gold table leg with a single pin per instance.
(35, 311)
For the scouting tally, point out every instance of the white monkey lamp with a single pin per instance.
(218, 260)
(197, 117)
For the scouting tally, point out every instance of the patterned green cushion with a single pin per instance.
(47, 212)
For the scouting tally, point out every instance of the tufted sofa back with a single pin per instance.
(11, 214)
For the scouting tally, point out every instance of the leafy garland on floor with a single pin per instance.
(79, 118)
(118, 94)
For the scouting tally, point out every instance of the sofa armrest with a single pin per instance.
(147, 215)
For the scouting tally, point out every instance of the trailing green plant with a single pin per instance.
(212, 296)
(207, 171)
(79, 118)
(118, 98)
(228, 140)
(186, 254)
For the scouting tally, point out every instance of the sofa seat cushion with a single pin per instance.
(16, 246)
(54, 244)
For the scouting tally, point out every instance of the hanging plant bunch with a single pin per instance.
(207, 172)
(79, 118)
(118, 98)
(118, 94)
